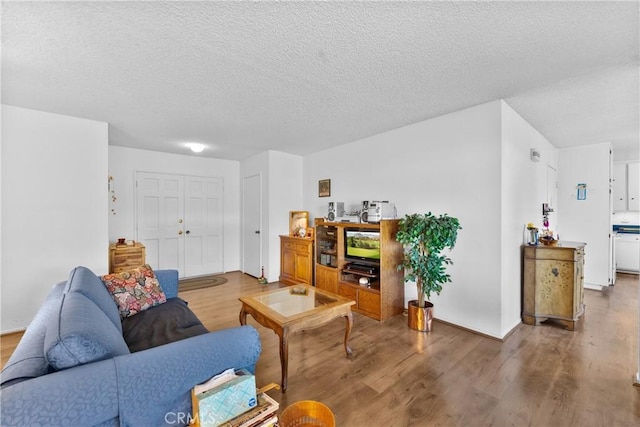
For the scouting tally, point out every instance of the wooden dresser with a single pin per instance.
(125, 257)
(296, 260)
(553, 283)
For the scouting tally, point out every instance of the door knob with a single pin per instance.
(180, 233)
(257, 231)
(188, 232)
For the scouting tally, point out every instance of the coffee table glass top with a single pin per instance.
(293, 300)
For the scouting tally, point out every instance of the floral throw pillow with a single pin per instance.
(134, 290)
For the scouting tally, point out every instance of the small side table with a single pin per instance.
(126, 257)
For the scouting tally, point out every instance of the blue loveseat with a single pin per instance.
(73, 366)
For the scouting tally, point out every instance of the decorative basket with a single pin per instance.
(548, 242)
(307, 413)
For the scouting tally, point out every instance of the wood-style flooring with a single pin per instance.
(540, 376)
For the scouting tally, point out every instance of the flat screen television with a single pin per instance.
(362, 245)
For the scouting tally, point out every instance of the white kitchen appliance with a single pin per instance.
(627, 248)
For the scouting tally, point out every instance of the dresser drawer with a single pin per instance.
(304, 248)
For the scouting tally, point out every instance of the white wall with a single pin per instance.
(587, 220)
(54, 206)
(472, 164)
(125, 162)
(524, 190)
(450, 164)
(281, 192)
(285, 195)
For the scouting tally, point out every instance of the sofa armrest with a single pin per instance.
(150, 387)
(166, 374)
(82, 396)
(168, 282)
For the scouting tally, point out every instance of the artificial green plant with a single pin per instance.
(424, 237)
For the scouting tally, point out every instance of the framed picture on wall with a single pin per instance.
(298, 220)
(324, 188)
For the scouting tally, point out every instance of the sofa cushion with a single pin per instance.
(80, 333)
(169, 322)
(28, 359)
(135, 290)
(85, 281)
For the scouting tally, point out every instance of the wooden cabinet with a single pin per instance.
(553, 285)
(296, 260)
(126, 257)
(383, 297)
(626, 187)
(619, 187)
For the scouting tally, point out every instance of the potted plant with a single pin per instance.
(424, 237)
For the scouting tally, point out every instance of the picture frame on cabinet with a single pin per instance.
(324, 188)
(298, 220)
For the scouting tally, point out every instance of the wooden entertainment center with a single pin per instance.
(383, 296)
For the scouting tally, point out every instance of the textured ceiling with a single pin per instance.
(244, 77)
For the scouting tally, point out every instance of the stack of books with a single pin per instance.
(262, 415)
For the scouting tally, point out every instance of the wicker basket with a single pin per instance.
(307, 413)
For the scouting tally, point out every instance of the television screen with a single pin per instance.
(362, 244)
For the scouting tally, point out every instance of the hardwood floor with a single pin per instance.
(540, 376)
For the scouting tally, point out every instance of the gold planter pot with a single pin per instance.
(420, 318)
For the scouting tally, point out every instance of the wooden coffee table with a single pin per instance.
(290, 309)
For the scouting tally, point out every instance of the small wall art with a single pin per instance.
(324, 188)
(582, 191)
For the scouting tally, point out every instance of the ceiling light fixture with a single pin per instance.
(196, 147)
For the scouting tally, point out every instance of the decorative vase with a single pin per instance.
(420, 318)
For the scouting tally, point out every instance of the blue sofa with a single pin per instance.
(73, 366)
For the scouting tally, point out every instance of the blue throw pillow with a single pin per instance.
(81, 333)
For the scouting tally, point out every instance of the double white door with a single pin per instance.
(179, 219)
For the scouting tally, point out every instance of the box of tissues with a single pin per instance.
(223, 397)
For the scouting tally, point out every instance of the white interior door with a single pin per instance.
(179, 219)
(203, 252)
(160, 213)
(251, 229)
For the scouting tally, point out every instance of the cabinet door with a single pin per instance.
(633, 186)
(628, 253)
(370, 302)
(619, 187)
(578, 287)
(327, 279)
(303, 267)
(555, 288)
(348, 292)
(288, 262)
